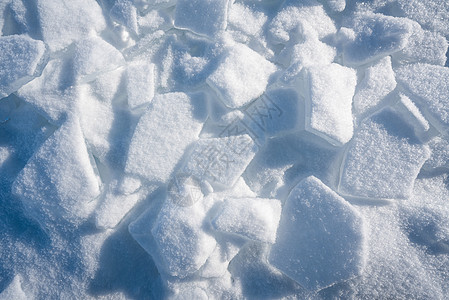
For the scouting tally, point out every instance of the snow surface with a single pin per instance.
(224, 149)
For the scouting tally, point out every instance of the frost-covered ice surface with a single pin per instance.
(224, 149)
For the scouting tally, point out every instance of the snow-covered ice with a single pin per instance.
(318, 228)
(224, 149)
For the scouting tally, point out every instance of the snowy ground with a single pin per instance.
(220, 149)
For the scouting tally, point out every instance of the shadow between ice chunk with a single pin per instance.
(124, 266)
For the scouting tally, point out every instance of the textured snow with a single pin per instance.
(221, 149)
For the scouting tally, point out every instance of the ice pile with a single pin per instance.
(217, 149)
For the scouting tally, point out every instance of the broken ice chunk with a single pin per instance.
(170, 124)
(431, 84)
(424, 46)
(204, 17)
(125, 13)
(245, 19)
(94, 55)
(254, 218)
(14, 291)
(320, 238)
(140, 83)
(376, 36)
(383, 159)
(378, 82)
(218, 262)
(440, 154)
(220, 161)
(59, 184)
(242, 76)
(329, 102)
(289, 24)
(311, 52)
(63, 22)
(181, 238)
(19, 58)
(51, 94)
(279, 111)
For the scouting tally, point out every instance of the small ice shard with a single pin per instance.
(58, 185)
(220, 161)
(430, 84)
(14, 291)
(242, 76)
(377, 83)
(141, 85)
(19, 58)
(203, 17)
(377, 36)
(383, 159)
(171, 123)
(184, 190)
(218, 262)
(63, 22)
(320, 239)
(336, 5)
(329, 102)
(253, 218)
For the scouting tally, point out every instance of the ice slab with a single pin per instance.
(329, 102)
(388, 167)
(14, 291)
(58, 185)
(320, 239)
(253, 218)
(94, 55)
(204, 17)
(278, 111)
(177, 238)
(63, 22)
(293, 23)
(377, 83)
(125, 13)
(171, 123)
(247, 20)
(440, 154)
(241, 76)
(220, 161)
(51, 94)
(377, 36)
(424, 46)
(141, 85)
(19, 58)
(431, 84)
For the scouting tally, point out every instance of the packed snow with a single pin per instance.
(224, 149)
